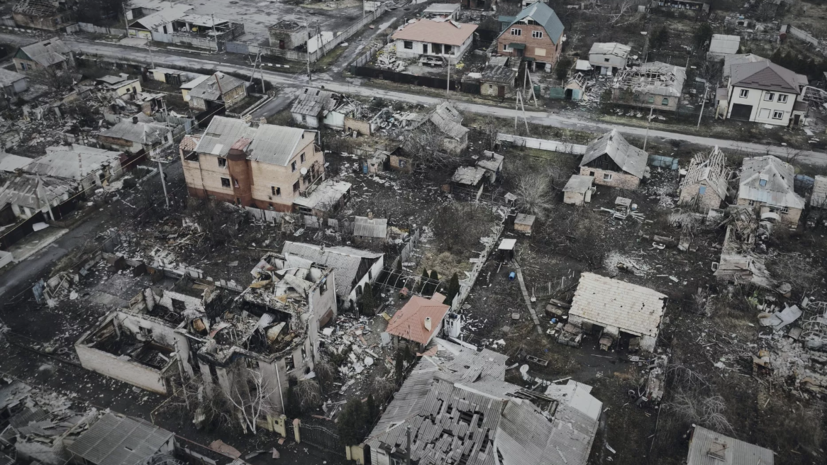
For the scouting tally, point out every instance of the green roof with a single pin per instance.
(544, 16)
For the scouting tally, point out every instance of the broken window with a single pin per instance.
(323, 287)
(607, 176)
(289, 363)
(448, 49)
(293, 166)
(302, 158)
(408, 45)
(516, 32)
(782, 98)
(665, 102)
(777, 114)
(769, 96)
(651, 99)
(222, 162)
(225, 182)
(744, 93)
(296, 187)
(537, 34)
(784, 210)
(606, 60)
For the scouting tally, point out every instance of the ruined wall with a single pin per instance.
(119, 144)
(362, 127)
(48, 23)
(645, 100)
(819, 197)
(374, 273)
(234, 96)
(123, 370)
(454, 146)
(790, 218)
(618, 180)
(709, 199)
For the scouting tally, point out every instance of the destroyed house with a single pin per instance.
(12, 83)
(497, 81)
(534, 35)
(287, 35)
(446, 120)
(136, 137)
(152, 340)
(609, 57)
(652, 85)
(443, 40)
(614, 162)
(459, 409)
(354, 268)
(618, 307)
(707, 447)
(90, 167)
(49, 15)
(268, 166)
(273, 330)
(312, 105)
(28, 195)
(119, 440)
(327, 197)
(51, 54)
(763, 92)
(218, 90)
(705, 184)
(767, 186)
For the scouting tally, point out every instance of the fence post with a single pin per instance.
(296, 427)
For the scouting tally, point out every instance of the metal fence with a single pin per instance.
(320, 437)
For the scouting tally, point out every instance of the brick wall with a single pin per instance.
(689, 196)
(790, 218)
(619, 180)
(543, 49)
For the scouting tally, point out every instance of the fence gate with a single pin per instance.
(320, 437)
(237, 47)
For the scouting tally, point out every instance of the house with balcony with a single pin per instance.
(763, 92)
(534, 35)
(267, 167)
(441, 41)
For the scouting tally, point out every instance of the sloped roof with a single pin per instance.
(159, 18)
(448, 120)
(8, 78)
(438, 32)
(739, 58)
(344, 261)
(778, 178)
(209, 89)
(47, 52)
(710, 169)
(499, 74)
(628, 157)
(544, 16)
(141, 132)
(610, 302)
(409, 321)
(766, 75)
(312, 101)
(189, 143)
(9, 162)
(370, 227)
(221, 134)
(707, 444)
(118, 440)
(659, 78)
(610, 48)
(195, 82)
(72, 162)
(267, 143)
(724, 44)
(27, 191)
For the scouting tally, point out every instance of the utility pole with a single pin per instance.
(408, 447)
(648, 122)
(151, 57)
(160, 167)
(448, 86)
(125, 21)
(215, 35)
(703, 102)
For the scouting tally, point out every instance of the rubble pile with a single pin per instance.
(797, 346)
(386, 59)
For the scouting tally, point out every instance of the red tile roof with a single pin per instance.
(409, 322)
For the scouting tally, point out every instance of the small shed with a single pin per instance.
(370, 229)
(578, 190)
(524, 223)
(116, 440)
(506, 249)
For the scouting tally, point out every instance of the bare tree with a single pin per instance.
(534, 191)
(489, 130)
(249, 394)
(52, 77)
(424, 146)
(308, 394)
(695, 408)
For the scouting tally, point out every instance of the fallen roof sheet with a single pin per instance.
(345, 261)
(710, 448)
(610, 302)
(325, 197)
(119, 440)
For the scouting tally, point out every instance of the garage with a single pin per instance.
(741, 112)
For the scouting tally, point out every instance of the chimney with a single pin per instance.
(134, 120)
(428, 323)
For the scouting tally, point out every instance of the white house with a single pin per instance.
(763, 92)
(608, 57)
(447, 39)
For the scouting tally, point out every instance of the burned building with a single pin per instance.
(705, 184)
(287, 35)
(652, 85)
(49, 15)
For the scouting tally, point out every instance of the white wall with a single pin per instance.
(599, 59)
(762, 110)
(374, 273)
(416, 51)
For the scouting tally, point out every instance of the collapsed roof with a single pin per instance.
(48, 52)
(267, 143)
(214, 88)
(653, 78)
(345, 261)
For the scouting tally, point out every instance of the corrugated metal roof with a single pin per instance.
(276, 144)
(72, 162)
(498, 74)
(153, 20)
(8, 78)
(345, 262)
(213, 88)
(370, 227)
(724, 44)
(543, 15)
(770, 181)
(313, 101)
(48, 52)
(448, 120)
(221, 134)
(709, 168)
(610, 48)
(27, 191)
(9, 162)
(118, 440)
(194, 83)
(628, 157)
(710, 448)
(140, 132)
(610, 302)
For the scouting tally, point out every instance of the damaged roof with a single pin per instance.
(29, 191)
(766, 75)
(8, 78)
(610, 302)
(544, 16)
(370, 227)
(655, 78)
(9, 162)
(710, 169)
(468, 175)
(326, 196)
(47, 53)
(439, 32)
(169, 14)
(498, 74)
(213, 88)
(267, 144)
(72, 162)
(144, 133)
(36, 8)
(419, 319)
(610, 48)
(628, 157)
(770, 181)
(491, 161)
(345, 261)
(710, 448)
(313, 101)
(448, 120)
(119, 440)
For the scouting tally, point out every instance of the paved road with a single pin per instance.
(358, 87)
